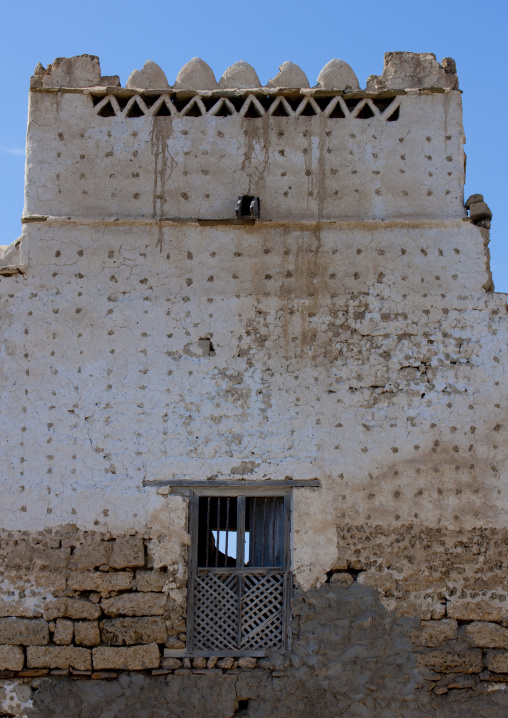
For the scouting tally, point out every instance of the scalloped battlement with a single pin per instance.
(402, 70)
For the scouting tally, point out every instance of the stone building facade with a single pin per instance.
(231, 292)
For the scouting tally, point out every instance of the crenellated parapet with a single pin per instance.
(402, 70)
(188, 149)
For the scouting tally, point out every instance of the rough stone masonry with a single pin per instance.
(349, 334)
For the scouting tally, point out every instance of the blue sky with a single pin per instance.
(125, 34)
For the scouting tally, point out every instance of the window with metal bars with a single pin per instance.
(239, 574)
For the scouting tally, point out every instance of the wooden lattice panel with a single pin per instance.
(262, 612)
(224, 601)
(216, 612)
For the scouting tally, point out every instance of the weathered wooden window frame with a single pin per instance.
(241, 494)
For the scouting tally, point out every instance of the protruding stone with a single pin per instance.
(196, 75)
(12, 658)
(473, 199)
(110, 81)
(289, 75)
(241, 75)
(78, 71)
(150, 77)
(449, 65)
(479, 211)
(337, 75)
(403, 70)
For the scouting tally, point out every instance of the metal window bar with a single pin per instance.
(241, 609)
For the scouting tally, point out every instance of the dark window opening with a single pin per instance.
(259, 544)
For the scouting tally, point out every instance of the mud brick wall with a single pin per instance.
(350, 333)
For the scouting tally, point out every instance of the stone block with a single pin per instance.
(486, 635)
(476, 610)
(226, 663)
(247, 662)
(75, 608)
(435, 633)
(447, 661)
(403, 70)
(100, 581)
(497, 661)
(63, 632)
(88, 556)
(132, 658)
(26, 632)
(50, 559)
(135, 604)
(12, 658)
(59, 657)
(127, 552)
(78, 71)
(174, 642)
(150, 580)
(131, 631)
(171, 663)
(86, 633)
(199, 662)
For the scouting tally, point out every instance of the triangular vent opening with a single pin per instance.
(265, 101)
(308, 110)
(237, 102)
(122, 102)
(365, 113)
(135, 110)
(395, 115)
(280, 110)
(223, 111)
(351, 104)
(195, 111)
(252, 112)
(337, 113)
(163, 111)
(322, 102)
(293, 102)
(382, 103)
(107, 110)
(209, 102)
(150, 100)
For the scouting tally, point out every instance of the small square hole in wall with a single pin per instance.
(247, 207)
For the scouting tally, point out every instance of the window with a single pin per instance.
(239, 574)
